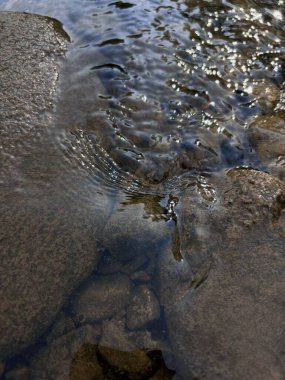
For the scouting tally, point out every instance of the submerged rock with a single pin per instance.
(85, 364)
(224, 301)
(267, 136)
(134, 364)
(130, 355)
(133, 235)
(223, 298)
(61, 359)
(143, 308)
(116, 335)
(102, 298)
(163, 374)
(48, 220)
(265, 92)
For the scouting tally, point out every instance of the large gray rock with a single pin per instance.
(48, 207)
(224, 301)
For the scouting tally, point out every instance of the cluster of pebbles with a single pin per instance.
(105, 332)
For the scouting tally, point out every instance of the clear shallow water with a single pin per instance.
(150, 92)
(167, 87)
(204, 62)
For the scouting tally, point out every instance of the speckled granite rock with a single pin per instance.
(48, 218)
(224, 302)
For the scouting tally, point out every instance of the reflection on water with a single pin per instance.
(211, 67)
(153, 95)
(168, 87)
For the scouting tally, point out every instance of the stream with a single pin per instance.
(161, 167)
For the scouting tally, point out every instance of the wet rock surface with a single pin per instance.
(32, 50)
(135, 363)
(143, 308)
(103, 298)
(266, 94)
(116, 334)
(84, 364)
(224, 303)
(54, 360)
(48, 238)
(107, 351)
(130, 354)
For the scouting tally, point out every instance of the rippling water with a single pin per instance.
(155, 90)
(167, 87)
(176, 84)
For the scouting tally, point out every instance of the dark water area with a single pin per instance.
(154, 97)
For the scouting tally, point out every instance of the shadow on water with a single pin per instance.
(154, 98)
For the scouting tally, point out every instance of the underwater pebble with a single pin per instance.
(102, 298)
(143, 308)
(266, 93)
(84, 365)
(53, 361)
(116, 335)
(136, 364)
(267, 136)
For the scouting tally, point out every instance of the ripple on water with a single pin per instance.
(172, 76)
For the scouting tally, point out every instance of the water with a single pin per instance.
(205, 61)
(154, 97)
(192, 120)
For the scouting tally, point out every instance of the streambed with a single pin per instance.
(159, 179)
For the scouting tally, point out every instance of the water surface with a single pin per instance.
(151, 93)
